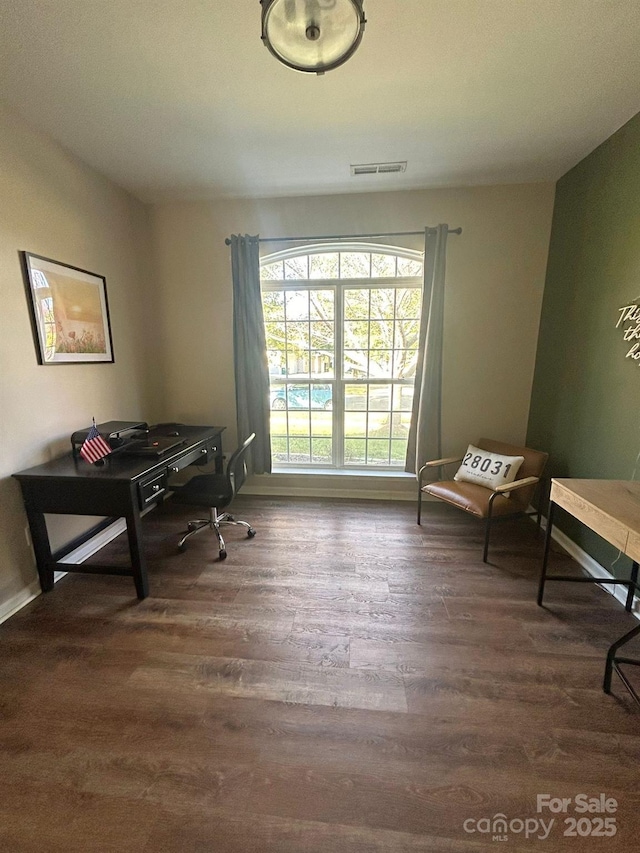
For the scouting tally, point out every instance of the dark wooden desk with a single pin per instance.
(121, 488)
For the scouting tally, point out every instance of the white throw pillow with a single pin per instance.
(488, 469)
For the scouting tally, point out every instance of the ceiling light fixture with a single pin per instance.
(312, 35)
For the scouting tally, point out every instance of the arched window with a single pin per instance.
(342, 324)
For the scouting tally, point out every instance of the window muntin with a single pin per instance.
(300, 332)
(326, 263)
(342, 325)
(44, 305)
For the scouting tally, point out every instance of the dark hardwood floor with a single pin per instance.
(346, 682)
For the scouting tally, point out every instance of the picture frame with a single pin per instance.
(69, 312)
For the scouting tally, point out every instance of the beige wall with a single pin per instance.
(172, 326)
(53, 205)
(495, 280)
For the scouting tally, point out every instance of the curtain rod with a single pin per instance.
(344, 236)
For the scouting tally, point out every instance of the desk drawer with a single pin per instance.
(197, 456)
(208, 452)
(152, 490)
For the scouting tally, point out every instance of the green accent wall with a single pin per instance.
(585, 406)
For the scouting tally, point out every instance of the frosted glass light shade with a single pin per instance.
(312, 35)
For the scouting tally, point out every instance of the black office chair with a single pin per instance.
(216, 491)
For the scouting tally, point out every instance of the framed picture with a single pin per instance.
(69, 312)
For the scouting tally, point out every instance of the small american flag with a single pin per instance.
(94, 446)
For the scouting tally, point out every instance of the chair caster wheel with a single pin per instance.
(182, 548)
(222, 555)
(251, 533)
(191, 527)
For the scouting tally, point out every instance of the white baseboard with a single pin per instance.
(332, 483)
(78, 555)
(311, 492)
(91, 546)
(11, 606)
(592, 567)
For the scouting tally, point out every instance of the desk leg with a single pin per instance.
(41, 548)
(547, 545)
(611, 654)
(632, 587)
(134, 534)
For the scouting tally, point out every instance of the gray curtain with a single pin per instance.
(250, 352)
(424, 441)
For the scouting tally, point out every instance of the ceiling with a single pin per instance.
(180, 99)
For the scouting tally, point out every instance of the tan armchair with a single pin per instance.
(485, 503)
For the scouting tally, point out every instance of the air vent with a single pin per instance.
(378, 168)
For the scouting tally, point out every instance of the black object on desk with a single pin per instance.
(118, 434)
(121, 488)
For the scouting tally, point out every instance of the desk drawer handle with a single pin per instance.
(156, 491)
(174, 469)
